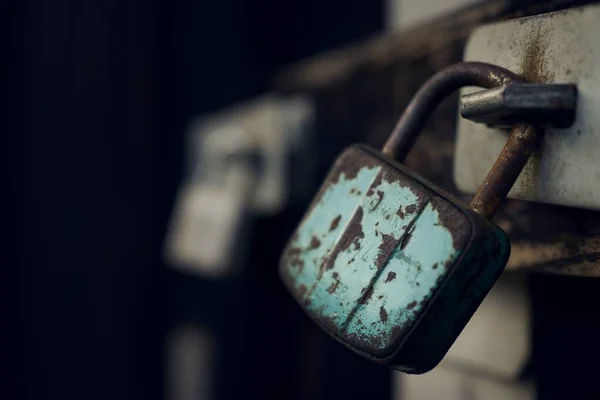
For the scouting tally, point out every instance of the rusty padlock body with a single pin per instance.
(387, 263)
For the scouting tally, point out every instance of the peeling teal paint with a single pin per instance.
(338, 200)
(401, 299)
(374, 250)
(455, 303)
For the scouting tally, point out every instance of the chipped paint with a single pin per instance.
(430, 243)
(387, 245)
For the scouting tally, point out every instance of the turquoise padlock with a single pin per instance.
(387, 263)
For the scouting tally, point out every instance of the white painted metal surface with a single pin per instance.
(559, 47)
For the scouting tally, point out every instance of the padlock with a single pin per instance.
(212, 209)
(237, 162)
(387, 263)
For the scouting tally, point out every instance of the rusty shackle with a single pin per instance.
(522, 141)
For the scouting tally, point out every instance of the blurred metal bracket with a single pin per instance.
(237, 169)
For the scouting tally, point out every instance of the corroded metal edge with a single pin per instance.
(521, 143)
(462, 281)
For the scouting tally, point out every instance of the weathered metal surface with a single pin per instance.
(378, 248)
(561, 47)
(544, 105)
(359, 92)
(522, 141)
(438, 87)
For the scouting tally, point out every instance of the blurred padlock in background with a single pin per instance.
(157, 155)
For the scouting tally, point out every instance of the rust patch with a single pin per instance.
(366, 295)
(352, 235)
(407, 237)
(454, 221)
(386, 248)
(392, 175)
(411, 305)
(358, 339)
(535, 62)
(314, 243)
(380, 195)
(377, 181)
(293, 258)
(448, 264)
(400, 213)
(335, 223)
(522, 141)
(302, 289)
(350, 164)
(383, 315)
(294, 251)
(297, 262)
(335, 283)
(390, 277)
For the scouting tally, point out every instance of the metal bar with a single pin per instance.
(433, 91)
(523, 139)
(541, 104)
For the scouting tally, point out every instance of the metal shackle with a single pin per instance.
(521, 143)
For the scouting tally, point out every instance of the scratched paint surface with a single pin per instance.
(370, 253)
